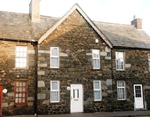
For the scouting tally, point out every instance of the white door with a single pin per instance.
(138, 96)
(76, 98)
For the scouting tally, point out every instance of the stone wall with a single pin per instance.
(136, 72)
(75, 39)
(9, 74)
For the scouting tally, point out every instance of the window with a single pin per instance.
(149, 60)
(20, 92)
(54, 57)
(21, 56)
(54, 93)
(96, 59)
(97, 90)
(119, 60)
(121, 90)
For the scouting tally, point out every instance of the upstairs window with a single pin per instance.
(20, 92)
(96, 59)
(121, 90)
(21, 56)
(149, 60)
(54, 57)
(97, 90)
(54, 93)
(119, 60)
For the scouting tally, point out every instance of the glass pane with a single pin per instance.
(17, 83)
(96, 54)
(17, 95)
(19, 99)
(23, 95)
(120, 83)
(54, 96)
(20, 94)
(77, 93)
(121, 93)
(96, 94)
(96, 63)
(54, 85)
(20, 83)
(73, 93)
(20, 89)
(54, 62)
(24, 89)
(119, 55)
(23, 99)
(16, 100)
(24, 83)
(138, 91)
(54, 52)
(96, 85)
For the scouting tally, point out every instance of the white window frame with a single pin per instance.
(121, 88)
(97, 90)
(95, 58)
(52, 56)
(21, 56)
(58, 90)
(123, 61)
(149, 60)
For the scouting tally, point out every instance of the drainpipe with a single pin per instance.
(112, 72)
(36, 78)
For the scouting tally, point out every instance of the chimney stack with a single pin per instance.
(136, 22)
(34, 10)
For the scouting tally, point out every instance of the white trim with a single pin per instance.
(96, 58)
(100, 90)
(55, 90)
(54, 56)
(123, 61)
(122, 88)
(21, 46)
(75, 7)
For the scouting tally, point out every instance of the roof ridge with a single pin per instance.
(110, 23)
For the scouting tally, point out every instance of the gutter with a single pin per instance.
(18, 40)
(112, 73)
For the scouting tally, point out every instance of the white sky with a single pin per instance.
(116, 11)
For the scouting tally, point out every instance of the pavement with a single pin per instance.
(97, 114)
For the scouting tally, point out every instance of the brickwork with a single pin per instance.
(9, 74)
(76, 39)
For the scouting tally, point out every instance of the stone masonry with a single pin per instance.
(75, 39)
(9, 74)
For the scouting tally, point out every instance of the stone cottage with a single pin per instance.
(71, 64)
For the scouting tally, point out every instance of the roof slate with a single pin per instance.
(19, 26)
(124, 35)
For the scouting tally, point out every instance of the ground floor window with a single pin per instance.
(20, 92)
(97, 90)
(54, 92)
(121, 90)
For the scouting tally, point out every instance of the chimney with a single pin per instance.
(34, 10)
(136, 22)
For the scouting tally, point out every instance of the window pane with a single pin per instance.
(54, 96)
(96, 63)
(54, 85)
(16, 100)
(96, 54)
(77, 93)
(54, 62)
(54, 52)
(73, 93)
(96, 85)
(96, 94)
(120, 83)
(23, 99)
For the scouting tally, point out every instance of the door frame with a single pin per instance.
(82, 97)
(141, 95)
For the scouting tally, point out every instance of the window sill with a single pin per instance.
(120, 69)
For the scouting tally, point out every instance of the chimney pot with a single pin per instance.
(136, 22)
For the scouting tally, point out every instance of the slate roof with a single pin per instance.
(19, 26)
(124, 35)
